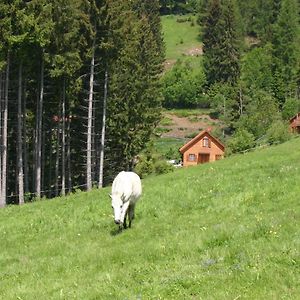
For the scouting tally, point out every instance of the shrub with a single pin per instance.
(278, 132)
(173, 153)
(241, 140)
(150, 162)
(162, 167)
(183, 87)
(290, 108)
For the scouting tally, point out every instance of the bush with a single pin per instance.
(278, 132)
(184, 87)
(150, 162)
(173, 153)
(162, 167)
(260, 113)
(241, 140)
(290, 108)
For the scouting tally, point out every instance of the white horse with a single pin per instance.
(126, 191)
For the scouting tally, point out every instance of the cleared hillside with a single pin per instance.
(226, 230)
(181, 36)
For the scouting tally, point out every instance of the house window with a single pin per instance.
(206, 142)
(219, 156)
(192, 157)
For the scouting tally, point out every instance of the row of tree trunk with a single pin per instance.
(79, 93)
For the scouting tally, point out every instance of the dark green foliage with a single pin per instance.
(55, 42)
(221, 45)
(286, 40)
(135, 97)
(259, 17)
(64, 55)
(211, 37)
(177, 6)
(256, 70)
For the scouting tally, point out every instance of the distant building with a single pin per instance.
(201, 149)
(295, 123)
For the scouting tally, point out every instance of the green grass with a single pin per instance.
(163, 145)
(225, 230)
(188, 112)
(179, 37)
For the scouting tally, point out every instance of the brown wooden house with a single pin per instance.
(201, 149)
(295, 123)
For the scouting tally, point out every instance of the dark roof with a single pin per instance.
(199, 137)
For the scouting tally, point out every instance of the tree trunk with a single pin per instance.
(241, 104)
(63, 142)
(43, 157)
(90, 119)
(4, 136)
(69, 154)
(20, 140)
(50, 163)
(101, 167)
(57, 160)
(39, 134)
(25, 144)
(1, 81)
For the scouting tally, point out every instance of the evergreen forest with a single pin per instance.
(83, 85)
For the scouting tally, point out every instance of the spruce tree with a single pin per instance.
(286, 41)
(134, 91)
(221, 45)
(211, 38)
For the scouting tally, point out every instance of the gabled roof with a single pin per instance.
(295, 117)
(198, 137)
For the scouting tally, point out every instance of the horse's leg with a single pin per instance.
(131, 213)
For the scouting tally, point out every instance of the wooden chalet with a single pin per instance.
(201, 149)
(295, 123)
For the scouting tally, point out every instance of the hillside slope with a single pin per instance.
(226, 230)
(181, 36)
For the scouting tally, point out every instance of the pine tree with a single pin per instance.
(98, 67)
(211, 38)
(221, 45)
(39, 13)
(286, 40)
(65, 59)
(5, 25)
(134, 92)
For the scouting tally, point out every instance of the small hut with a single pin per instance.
(295, 123)
(201, 149)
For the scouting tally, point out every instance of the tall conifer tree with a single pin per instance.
(286, 41)
(134, 94)
(221, 45)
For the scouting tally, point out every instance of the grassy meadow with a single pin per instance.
(225, 230)
(179, 36)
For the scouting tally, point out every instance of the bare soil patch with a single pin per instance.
(195, 51)
(182, 127)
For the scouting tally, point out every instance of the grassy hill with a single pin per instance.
(226, 230)
(181, 36)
